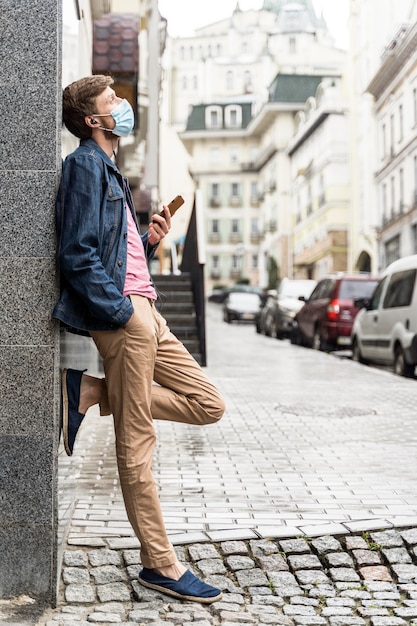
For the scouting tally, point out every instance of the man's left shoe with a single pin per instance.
(71, 418)
(188, 587)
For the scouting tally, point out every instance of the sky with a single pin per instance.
(185, 15)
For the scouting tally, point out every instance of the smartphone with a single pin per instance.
(174, 205)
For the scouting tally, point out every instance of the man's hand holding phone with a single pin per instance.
(161, 222)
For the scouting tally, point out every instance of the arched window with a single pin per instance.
(214, 118)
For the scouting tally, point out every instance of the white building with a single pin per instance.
(394, 87)
(268, 61)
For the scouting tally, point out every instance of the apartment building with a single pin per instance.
(320, 183)
(234, 91)
(394, 88)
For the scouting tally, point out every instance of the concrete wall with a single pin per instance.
(30, 110)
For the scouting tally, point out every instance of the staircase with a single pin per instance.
(176, 303)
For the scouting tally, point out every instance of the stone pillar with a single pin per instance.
(30, 161)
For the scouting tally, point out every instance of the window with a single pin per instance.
(214, 117)
(195, 82)
(214, 187)
(215, 262)
(392, 135)
(215, 227)
(415, 105)
(235, 227)
(384, 141)
(254, 190)
(293, 45)
(400, 289)
(392, 250)
(414, 238)
(184, 83)
(392, 196)
(401, 190)
(234, 154)
(254, 261)
(247, 81)
(214, 155)
(244, 48)
(254, 226)
(235, 190)
(374, 304)
(229, 79)
(233, 116)
(218, 50)
(401, 121)
(182, 53)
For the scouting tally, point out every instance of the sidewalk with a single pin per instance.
(301, 503)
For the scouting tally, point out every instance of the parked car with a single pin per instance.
(220, 294)
(276, 317)
(325, 321)
(385, 329)
(241, 306)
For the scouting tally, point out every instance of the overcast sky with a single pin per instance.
(185, 15)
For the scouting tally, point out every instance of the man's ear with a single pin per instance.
(90, 121)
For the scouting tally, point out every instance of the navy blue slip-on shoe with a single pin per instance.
(71, 418)
(188, 587)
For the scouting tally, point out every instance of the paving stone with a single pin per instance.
(262, 547)
(303, 561)
(274, 562)
(233, 547)
(405, 572)
(211, 566)
(113, 591)
(311, 577)
(104, 557)
(106, 574)
(366, 557)
(75, 558)
(339, 559)
(76, 575)
(409, 536)
(131, 557)
(251, 577)
(346, 620)
(387, 538)
(294, 546)
(388, 621)
(323, 545)
(111, 618)
(397, 555)
(375, 572)
(203, 551)
(240, 562)
(343, 574)
(354, 542)
(80, 593)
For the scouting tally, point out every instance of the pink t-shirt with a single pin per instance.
(138, 280)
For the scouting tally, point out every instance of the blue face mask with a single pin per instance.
(123, 117)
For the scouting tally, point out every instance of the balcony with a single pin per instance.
(214, 202)
(235, 238)
(214, 238)
(235, 201)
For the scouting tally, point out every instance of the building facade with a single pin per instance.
(263, 64)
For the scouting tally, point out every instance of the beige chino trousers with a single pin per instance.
(134, 357)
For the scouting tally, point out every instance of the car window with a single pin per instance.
(400, 289)
(350, 289)
(376, 298)
(322, 290)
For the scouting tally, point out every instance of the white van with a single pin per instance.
(385, 330)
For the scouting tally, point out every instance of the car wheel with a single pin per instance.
(317, 343)
(401, 367)
(356, 352)
(269, 325)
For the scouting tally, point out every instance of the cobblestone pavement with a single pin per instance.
(301, 503)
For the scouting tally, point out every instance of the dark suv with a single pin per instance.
(325, 321)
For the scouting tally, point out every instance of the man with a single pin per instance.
(107, 292)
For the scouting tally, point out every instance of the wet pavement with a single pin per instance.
(301, 503)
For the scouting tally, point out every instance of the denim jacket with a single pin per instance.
(91, 225)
